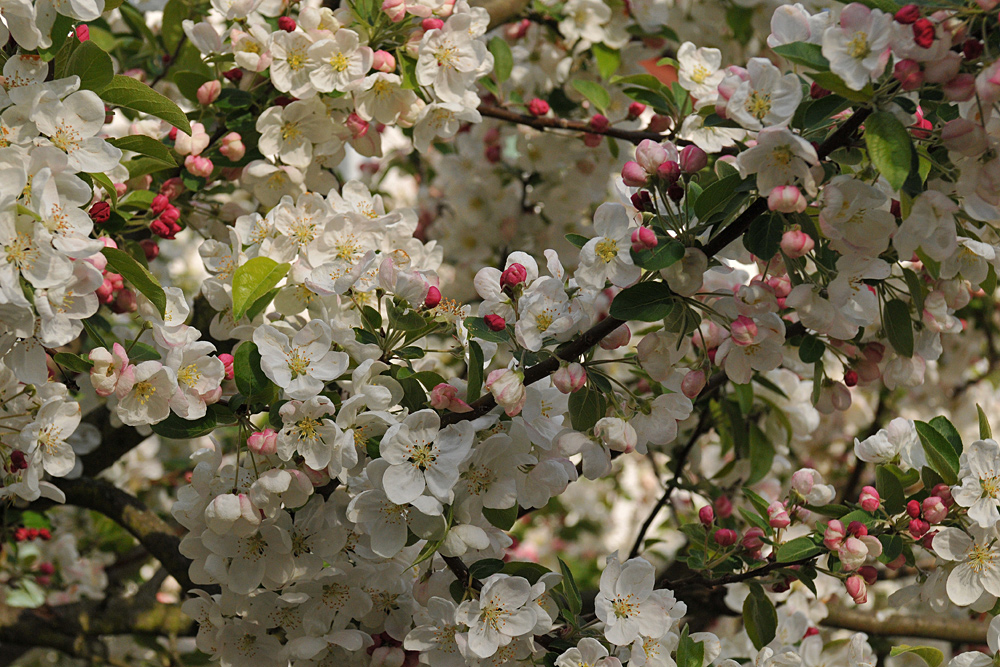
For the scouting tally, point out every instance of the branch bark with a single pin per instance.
(927, 626)
(554, 123)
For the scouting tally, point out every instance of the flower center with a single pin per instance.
(858, 47)
(991, 486)
(758, 104)
(298, 364)
(339, 62)
(290, 131)
(624, 607)
(189, 375)
(607, 250)
(700, 73)
(981, 558)
(144, 390)
(307, 428)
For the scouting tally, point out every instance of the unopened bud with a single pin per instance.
(693, 159)
(644, 238)
(570, 378)
(227, 364)
(617, 338)
(706, 515)
(263, 442)
(433, 297)
(693, 383)
(725, 537)
(495, 322)
(208, 92)
(869, 499)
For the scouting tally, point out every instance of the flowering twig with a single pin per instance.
(555, 123)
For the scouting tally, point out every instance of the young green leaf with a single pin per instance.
(94, 67)
(250, 378)
(475, 385)
(139, 143)
(889, 147)
(503, 60)
(594, 92)
(253, 280)
(898, 327)
(122, 263)
(124, 91)
(647, 302)
(759, 616)
(985, 431)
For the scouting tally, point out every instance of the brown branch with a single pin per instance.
(927, 626)
(555, 123)
(155, 535)
(502, 11)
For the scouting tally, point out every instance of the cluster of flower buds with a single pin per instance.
(23, 534)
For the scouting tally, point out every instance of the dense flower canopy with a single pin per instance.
(313, 317)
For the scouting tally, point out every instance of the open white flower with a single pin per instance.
(301, 365)
(980, 488)
(700, 70)
(897, 443)
(72, 126)
(422, 455)
(766, 98)
(858, 48)
(499, 615)
(626, 603)
(977, 555)
(147, 400)
(608, 255)
(779, 158)
(56, 421)
(338, 62)
(289, 132)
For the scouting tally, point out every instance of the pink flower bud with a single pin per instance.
(944, 69)
(208, 92)
(431, 24)
(796, 243)
(706, 515)
(659, 124)
(943, 491)
(725, 537)
(897, 563)
(857, 588)
(723, 507)
(570, 378)
(227, 364)
(908, 73)
(198, 165)
(507, 387)
(433, 297)
(495, 322)
(752, 538)
(383, 61)
(803, 481)
(693, 382)
(669, 172)
(834, 535)
(617, 338)
(934, 509)
(124, 302)
(599, 122)
(357, 125)
(650, 155)
(961, 88)
(263, 442)
(159, 204)
(538, 107)
(635, 109)
(964, 136)
(395, 9)
(857, 529)
(786, 199)
(643, 238)
(513, 275)
(634, 175)
(917, 528)
(693, 159)
(913, 509)
(744, 330)
(445, 397)
(172, 187)
(852, 553)
(869, 499)
(82, 32)
(232, 147)
(778, 515)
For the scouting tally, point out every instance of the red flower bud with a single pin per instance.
(817, 91)
(599, 122)
(286, 23)
(635, 110)
(18, 461)
(851, 378)
(433, 297)
(907, 14)
(159, 204)
(913, 509)
(538, 107)
(923, 33)
(100, 212)
(725, 537)
(151, 248)
(706, 515)
(515, 274)
(234, 74)
(227, 364)
(495, 322)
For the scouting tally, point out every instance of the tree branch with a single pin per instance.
(502, 11)
(554, 123)
(928, 626)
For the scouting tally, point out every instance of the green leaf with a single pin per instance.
(608, 59)
(916, 289)
(139, 143)
(585, 408)
(253, 280)
(122, 263)
(73, 362)
(485, 567)
(940, 454)
(763, 238)
(716, 195)
(761, 455)
(797, 549)
(689, 652)
(403, 318)
(172, 31)
(94, 67)
(141, 352)
(835, 84)
(889, 147)
(666, 253)
(109, 187)
(646, 302)
(177, 428)
(503, 60)
(478, 328)
(407, 71)
(258, 306)
(945, 428)
(475, 384)
(250, 379)
(594, 92)
(932, 656)
(985, 432)
(530, 571)
(124, 91)
(189, 82)
(502, 519)
(890, 489)
(811, 349)
(898, 327)
(759, 616)
(570, 588)
(578, 240)
(805, 54)
(60, 31)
